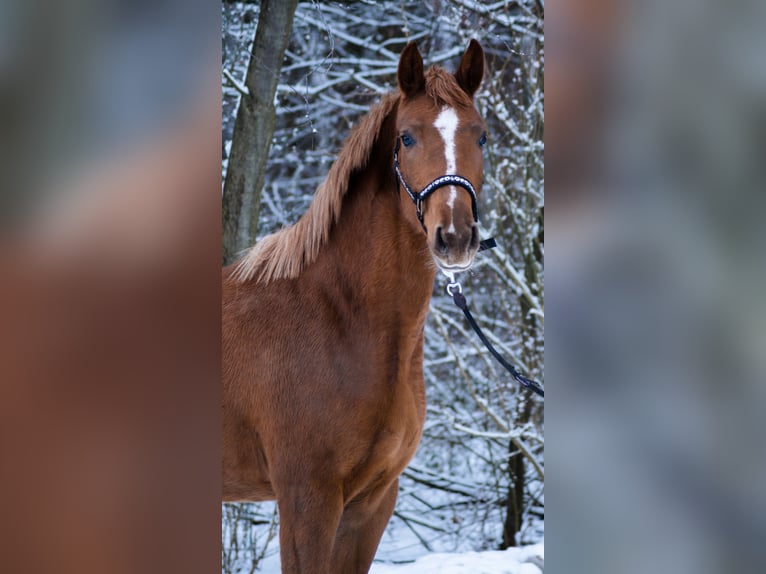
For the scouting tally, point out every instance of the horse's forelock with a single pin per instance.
(443, 89)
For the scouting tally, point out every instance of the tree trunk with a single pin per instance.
(254, 128)
(515, 502)
(516, 464)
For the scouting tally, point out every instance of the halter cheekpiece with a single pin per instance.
(442, 181)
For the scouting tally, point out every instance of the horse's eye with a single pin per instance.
(483, 139)
(407, 140)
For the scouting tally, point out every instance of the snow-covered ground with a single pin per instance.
(524, 560)
(402, 551)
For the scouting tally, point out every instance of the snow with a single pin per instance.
(524, 560)
(521, 560)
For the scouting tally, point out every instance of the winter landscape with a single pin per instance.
(472, 500)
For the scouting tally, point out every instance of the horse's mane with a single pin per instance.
(284, 254)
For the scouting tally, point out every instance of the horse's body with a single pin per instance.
(323, 396)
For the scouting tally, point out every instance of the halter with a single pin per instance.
(442, 181)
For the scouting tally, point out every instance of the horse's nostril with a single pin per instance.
(474, 237)
(441, 244)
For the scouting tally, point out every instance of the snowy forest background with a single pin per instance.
(476, 482)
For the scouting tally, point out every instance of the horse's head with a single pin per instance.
(438, 154)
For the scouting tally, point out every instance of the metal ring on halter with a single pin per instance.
(452, 285)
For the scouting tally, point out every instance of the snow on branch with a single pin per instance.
(241, 88)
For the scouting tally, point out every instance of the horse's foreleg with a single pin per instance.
(308, 521)
(361, 528)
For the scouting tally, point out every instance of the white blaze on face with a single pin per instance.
(446, 123)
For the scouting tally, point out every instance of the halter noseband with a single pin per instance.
(442, 181)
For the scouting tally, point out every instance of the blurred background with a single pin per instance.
(110, 290)
(655, 283)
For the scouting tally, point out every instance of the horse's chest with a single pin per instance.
(396, 445)
(383, 453)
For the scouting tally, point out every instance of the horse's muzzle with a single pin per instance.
(455, 249)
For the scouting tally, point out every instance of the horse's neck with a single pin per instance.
(381, 257)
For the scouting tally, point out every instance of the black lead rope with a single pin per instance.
(456, 291)
(459, 299)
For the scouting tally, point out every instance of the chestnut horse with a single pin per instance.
(323, 392)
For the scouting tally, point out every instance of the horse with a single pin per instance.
(323, 321)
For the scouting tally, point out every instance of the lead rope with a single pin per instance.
(455, 290)
(457, 296)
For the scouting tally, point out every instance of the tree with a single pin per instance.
(254, 127)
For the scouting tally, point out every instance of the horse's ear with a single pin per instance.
(410, 73)
(471, 69)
